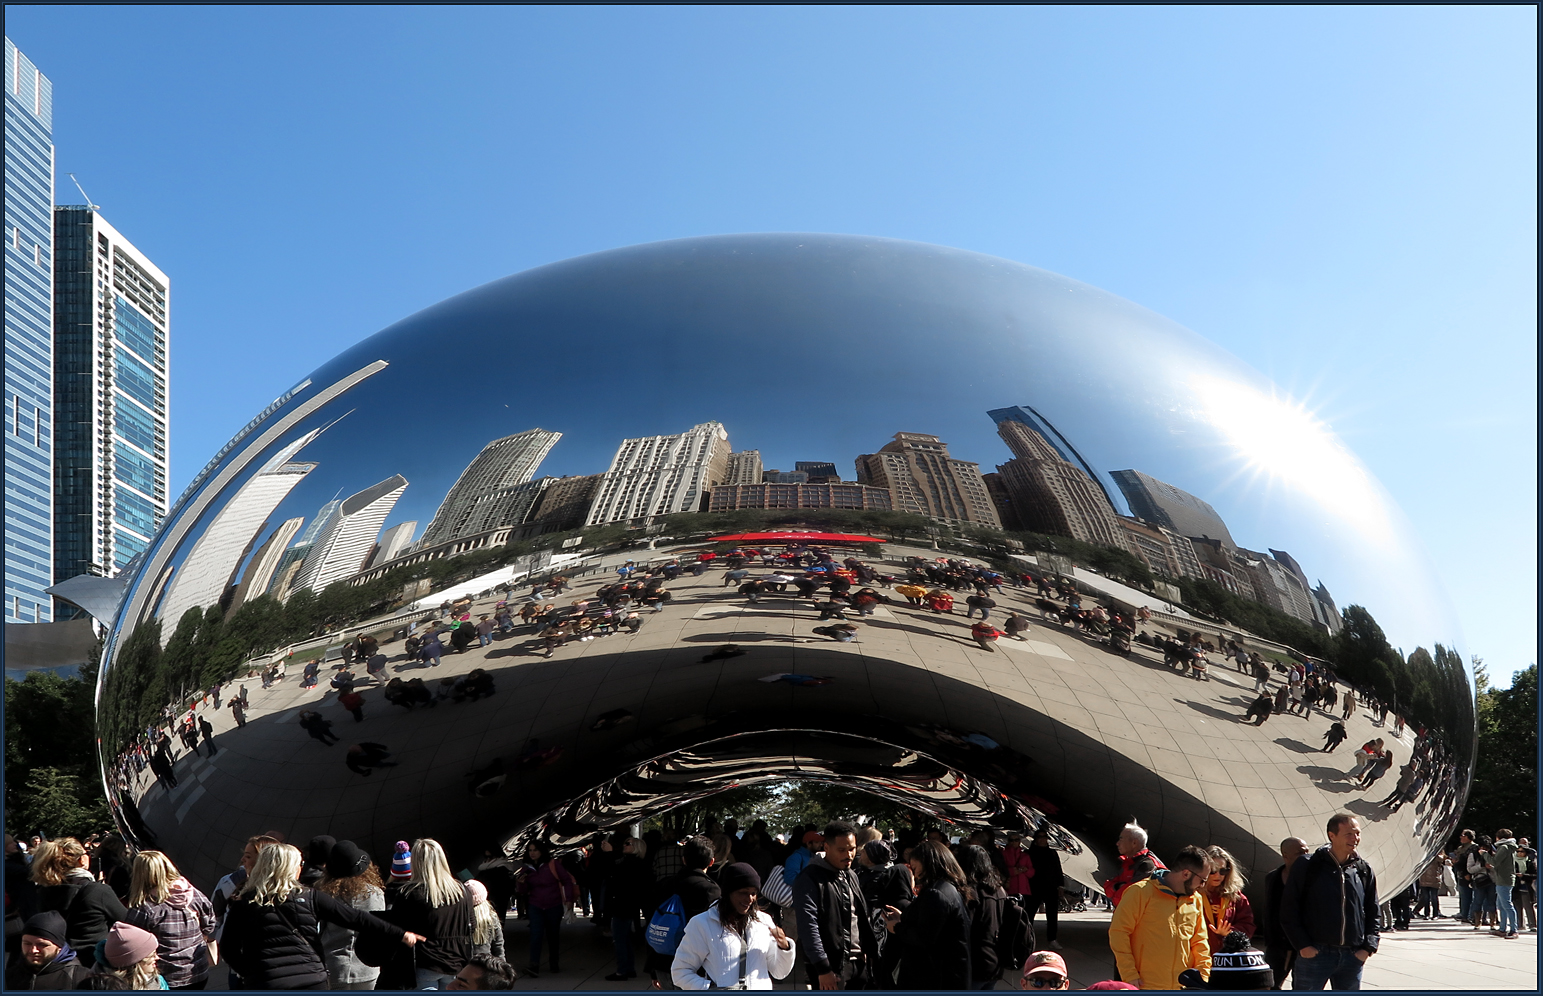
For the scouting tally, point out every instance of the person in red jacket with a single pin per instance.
(1136, 862)
(1223, 904)
(985, 634)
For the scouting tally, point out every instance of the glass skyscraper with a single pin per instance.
(29, 355)
(111, 354)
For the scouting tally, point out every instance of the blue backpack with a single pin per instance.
(667, 926)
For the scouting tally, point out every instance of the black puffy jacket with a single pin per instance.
(932, 940)
(279, 946)
(89, 907)
(448, 929)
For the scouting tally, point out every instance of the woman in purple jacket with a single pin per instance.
(548, 889)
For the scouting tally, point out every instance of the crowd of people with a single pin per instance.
(836, 906)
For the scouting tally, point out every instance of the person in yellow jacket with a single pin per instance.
(1158, 929)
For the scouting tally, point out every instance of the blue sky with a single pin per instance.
(1342, 197)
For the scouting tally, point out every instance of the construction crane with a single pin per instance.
(94, 207)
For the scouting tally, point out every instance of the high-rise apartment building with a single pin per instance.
(566, 500)
(922, 478)
(775, 476)
(1278, 586)
(493, 490)
(393, 542)
(660, 475)
(732, 497)
(1025, 415)
(1166, 505)
(210, 567)
(1328, 612)
(1052, 495)
(1164, 551)
(744, 468)
(29, 331)
(819, 471)
(264, 565)
(111, 363)
(344, 544)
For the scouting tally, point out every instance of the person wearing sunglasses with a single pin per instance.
(1044, 970)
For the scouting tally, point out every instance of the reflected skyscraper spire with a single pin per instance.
(342, 547)
(493, 490)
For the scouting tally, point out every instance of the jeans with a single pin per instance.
(1430, 902)
(621, 935)
(432, 978)
(1464, 900)
(1484, 900)
(1335, 966)
(1507, 908)
(486, 639)
(985, 613)
(547, 924)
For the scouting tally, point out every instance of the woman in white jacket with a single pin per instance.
(733, 945)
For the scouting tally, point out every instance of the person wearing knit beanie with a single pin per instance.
(48, 926)
(402, 862)
(128, 945)
(738, 876)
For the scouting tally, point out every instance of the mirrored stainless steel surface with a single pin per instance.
(651, 373)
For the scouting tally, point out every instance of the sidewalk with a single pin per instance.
(1431, 955)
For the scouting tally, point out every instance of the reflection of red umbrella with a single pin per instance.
(794, 538)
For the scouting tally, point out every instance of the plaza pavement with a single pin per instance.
(1267, 782)
(1431, 955)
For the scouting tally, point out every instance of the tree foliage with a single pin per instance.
(51, 779)
(1505, 785)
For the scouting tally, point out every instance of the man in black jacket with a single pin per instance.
(696, 890)
(46, 961)
(1277, 949)
(1329, 911)
(834, 929)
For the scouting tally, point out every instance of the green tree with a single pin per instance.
(51, 779)
(1505, 784)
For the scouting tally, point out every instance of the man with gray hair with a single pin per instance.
(1136, 862)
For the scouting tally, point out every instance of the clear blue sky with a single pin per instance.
(1343, 197)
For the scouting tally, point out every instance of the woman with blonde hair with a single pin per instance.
(62, 871)
(269, 923)
(1222, 902)
(127, 954)
(435, 903)
(488, 928)
(181, 918)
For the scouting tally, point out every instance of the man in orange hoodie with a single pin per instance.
(1158, 930)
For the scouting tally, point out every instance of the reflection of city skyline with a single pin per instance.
(1047, 486)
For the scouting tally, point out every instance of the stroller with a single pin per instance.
(1119, 640)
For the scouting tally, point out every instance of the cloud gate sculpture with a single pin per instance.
(928, 412)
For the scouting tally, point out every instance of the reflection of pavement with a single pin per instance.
(1266, 783)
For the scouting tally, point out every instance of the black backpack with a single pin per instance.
(1015, 937)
